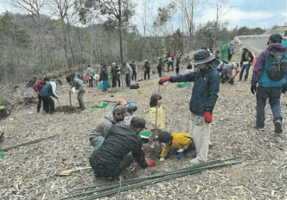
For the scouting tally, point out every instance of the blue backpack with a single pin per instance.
(277, 66)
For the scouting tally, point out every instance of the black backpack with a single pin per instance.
(277, 66)
(135, 86)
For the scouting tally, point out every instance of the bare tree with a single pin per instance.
(222, 8)
(189, 8)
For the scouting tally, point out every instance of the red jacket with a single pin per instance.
(39, 85)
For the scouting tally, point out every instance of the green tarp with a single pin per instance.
(224, 51)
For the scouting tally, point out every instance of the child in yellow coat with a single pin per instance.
(181, 141)
(157, 118)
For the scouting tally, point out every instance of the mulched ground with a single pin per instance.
(29, 172)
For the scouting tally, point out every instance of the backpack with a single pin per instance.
(135, 86)
(277, 66)
(4, 112)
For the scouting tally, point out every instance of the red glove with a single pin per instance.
(237, 71)
(207, 117)
(162, 80)
(150, 163)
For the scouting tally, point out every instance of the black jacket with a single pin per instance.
(121, 140)
(147, 66)
(245, 57)
(104, 74)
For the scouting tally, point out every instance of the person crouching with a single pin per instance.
(183, 142)
(114, 155)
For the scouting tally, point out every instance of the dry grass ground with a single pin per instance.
(29, 172)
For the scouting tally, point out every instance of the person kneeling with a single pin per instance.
(183, 142)
(113, 156)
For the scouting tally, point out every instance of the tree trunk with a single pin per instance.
(120, 31)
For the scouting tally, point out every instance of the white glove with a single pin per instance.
(180, 150)
(73, 90)
(161, 159)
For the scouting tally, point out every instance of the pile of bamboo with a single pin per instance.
(101, 190)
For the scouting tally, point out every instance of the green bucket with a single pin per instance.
(181, 85)
(146, 134)
(105, 104)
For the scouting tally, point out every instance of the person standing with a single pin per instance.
(91, 74)
(246, 60)
(270, 73)
(159, 66)
(177, 66)
(146, 70)
(203, 99)
(134, 68)
(115, 75)
(79, 84)
(169, 63)
(46, 93)
(128, 71)
(230, 51)
(38, 87)
(104, 77)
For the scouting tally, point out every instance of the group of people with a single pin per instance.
(115, 137)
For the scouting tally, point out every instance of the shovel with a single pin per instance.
(69, 171)
(70, 96)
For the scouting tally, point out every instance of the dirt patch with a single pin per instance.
(67, 109)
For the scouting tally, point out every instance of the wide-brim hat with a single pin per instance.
(202, 56)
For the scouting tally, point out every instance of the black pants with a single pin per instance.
(40, 103)
(114, 82)
(159, 72)
(146, 73)
(91, 82)
(177, 70)
(170, 64)
(134, 76)
(119, 81)
(229, 56)
(49, 104)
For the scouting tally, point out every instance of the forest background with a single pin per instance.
(63, 36)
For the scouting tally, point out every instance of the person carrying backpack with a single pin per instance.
(270, 73)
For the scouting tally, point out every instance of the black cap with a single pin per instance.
(138, 122)
(121, 110)
(275, 38)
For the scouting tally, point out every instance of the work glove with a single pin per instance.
(161, 159)
(284, 89)
(162, 80)
(207, 117)
(180, 150)
(73, 90)
(254, 89)
(179, 156)
(151, 163)
(237, 71)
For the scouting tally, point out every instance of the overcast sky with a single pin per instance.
(251, 13)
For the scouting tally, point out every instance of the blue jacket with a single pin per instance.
(49, 90)
(205, 89)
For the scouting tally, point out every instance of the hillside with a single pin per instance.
(29, 172)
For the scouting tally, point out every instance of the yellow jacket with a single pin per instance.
(160, 117)
(179, 141)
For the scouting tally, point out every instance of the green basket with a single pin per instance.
(181, 85)
(105, 104)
